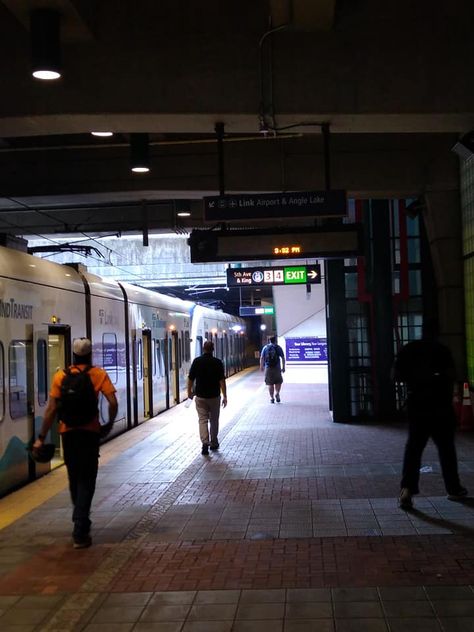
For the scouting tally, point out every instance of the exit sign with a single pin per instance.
(295, 274)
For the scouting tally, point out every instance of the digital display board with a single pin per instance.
(339, 241)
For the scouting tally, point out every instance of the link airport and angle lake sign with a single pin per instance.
(273, 205)
(287, 275)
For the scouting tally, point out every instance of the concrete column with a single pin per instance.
(443, 224)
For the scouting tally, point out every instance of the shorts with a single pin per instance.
(273, 376)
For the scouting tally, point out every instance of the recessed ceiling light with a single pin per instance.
(102, 133)
(46, 75)
(183, 214)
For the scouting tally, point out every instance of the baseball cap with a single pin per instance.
(82, 346)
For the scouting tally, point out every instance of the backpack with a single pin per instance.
(272, 356)
(78, 404)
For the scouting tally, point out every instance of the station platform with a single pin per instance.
(292, 526)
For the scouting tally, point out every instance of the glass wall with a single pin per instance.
(467, 207)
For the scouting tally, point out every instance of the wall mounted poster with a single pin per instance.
(306, 350)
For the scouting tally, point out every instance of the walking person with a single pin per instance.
(208, 374)
(73, 400)
(272, 359)
(426, 366)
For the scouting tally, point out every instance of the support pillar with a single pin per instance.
(442, 217)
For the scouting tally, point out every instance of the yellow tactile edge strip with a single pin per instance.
(21, 502)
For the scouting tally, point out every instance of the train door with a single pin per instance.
(166, 346)
(58, 357)
(174, 366)
(137, 377)
(147, 374)
(37, 354)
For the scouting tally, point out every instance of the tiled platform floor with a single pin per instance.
(293, 525)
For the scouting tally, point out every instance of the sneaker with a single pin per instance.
(277, 397)
(405, 499)
(272, 401)
(459, 493)
(205, 449)
(214, 446)
(82, 543)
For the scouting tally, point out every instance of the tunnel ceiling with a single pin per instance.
(388, 78)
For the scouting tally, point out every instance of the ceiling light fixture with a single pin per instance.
(139, 157)
(183, 214)
(45, 44)
(102, 133)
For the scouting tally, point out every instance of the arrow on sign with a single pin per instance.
(212, 204)
(313, 274)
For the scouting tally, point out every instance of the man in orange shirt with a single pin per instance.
(81, 441)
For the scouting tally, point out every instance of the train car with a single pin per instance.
(145, 340)
(225, 331)
(42, 308)
(160, 355)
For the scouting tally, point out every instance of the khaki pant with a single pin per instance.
(208, 410)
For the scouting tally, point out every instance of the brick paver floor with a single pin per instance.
(292, 525)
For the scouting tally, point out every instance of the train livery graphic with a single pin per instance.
(145, 340)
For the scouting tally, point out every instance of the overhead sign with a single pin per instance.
(271, 205)
(250, 310)
(341, 241)
(288, 275)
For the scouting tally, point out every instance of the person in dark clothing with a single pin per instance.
(426, 366)
(272, 359)
(208, 373)
(80, 443)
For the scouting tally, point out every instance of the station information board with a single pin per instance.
(306, 349)
(284, 275)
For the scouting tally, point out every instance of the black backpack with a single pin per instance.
(78, 404)
(272, 356)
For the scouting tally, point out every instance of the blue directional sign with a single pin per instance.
(272, 205)
(306, 350)
(252, 310)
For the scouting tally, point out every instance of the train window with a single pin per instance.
(42, 371)
(154, 356)
(180, 353)
(17, 364)
(199, 346)
(160, 350)
(187, 350)
(139, 368)
(110, 355)
(2, 383)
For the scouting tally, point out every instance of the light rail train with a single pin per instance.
(145, 340)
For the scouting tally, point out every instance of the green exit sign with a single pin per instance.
(295, 274)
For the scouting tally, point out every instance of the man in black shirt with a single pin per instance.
(427, 368)
(208, 373)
